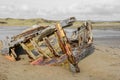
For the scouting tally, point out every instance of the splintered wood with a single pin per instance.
(51, 46)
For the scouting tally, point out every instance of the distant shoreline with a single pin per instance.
(8, 22)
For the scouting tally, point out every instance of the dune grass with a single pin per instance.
(44, 22)
(24, 22)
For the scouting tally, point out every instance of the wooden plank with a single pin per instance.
(27, 50)
(35, 45)
(13, 52)
(39, 49)
(50, 47)
(63, 39)
(79, 40)
(10, 57)
(37, 61)
(90, 40)
(66, 47)
(60, 40)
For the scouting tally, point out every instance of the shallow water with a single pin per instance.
(109, 37)
(100, 33)
(10, 31)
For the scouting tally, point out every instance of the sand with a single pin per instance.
(103, 64)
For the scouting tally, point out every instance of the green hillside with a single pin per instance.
(44, 22)
(25, 22)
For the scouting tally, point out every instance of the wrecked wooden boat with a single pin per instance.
(49, 45)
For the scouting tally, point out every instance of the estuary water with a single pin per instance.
(104, 37)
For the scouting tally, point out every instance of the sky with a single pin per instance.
(60, 9)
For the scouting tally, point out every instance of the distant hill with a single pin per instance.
(24, 22)
(44, 22)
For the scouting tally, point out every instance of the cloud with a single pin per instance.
(24, 7)
(96, 11)
(83, 9)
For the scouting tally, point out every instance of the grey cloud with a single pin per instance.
(105, 10)
(82, 10)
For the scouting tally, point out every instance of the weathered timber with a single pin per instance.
(28, 50)
(39, 49)
(13, 52)
(51, 29)
(66, 46)
(50, 45)
(29, 32)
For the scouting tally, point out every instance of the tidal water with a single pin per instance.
(107, 37)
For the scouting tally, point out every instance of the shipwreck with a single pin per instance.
(49, 45)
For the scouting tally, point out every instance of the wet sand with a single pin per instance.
(103, 64)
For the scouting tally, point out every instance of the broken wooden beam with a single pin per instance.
(65, 46)
(42, 53)
(51, 47)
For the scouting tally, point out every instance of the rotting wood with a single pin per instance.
(66, 46)
(37, 42)
(39, 49)
(13, 52)
(50, 47)
(28, 50)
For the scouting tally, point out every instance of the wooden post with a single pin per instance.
(13, 52)
(63, 39)
(60, 35)
(79, 39)
(66, 46)
(90, 39)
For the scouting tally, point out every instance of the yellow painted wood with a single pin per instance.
(53, 51)
(28, 50)
(41, 52)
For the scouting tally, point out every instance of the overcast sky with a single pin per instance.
(60, 9)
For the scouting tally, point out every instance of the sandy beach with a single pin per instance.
(103, 64)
